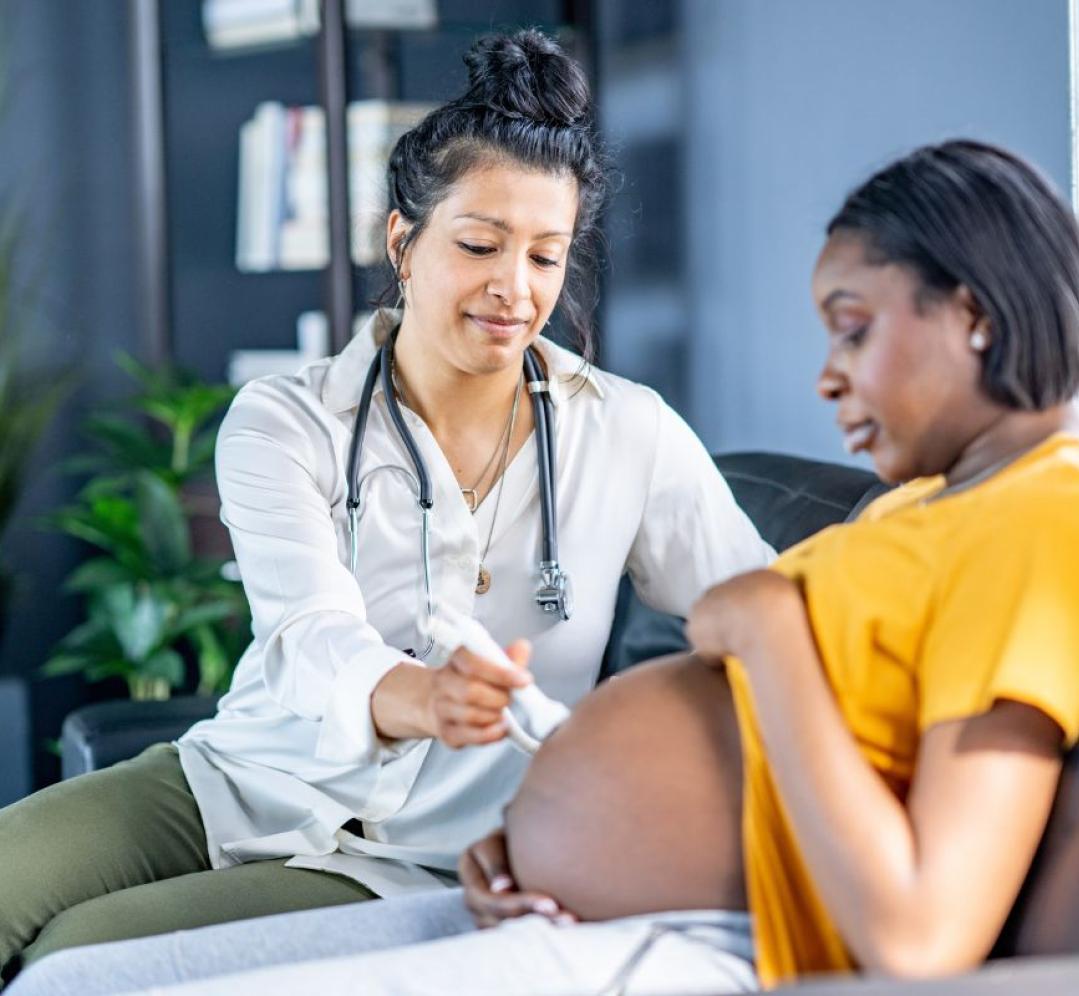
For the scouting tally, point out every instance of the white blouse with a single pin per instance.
(293, 753)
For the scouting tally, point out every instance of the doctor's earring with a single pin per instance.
(979, 340)
(400, 293)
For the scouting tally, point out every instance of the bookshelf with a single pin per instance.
(191, 102)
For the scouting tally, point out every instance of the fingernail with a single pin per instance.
(565, 919)
(548, 907)
(501, 883)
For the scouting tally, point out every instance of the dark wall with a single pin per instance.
(66, 160)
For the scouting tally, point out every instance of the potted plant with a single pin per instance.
(154, 603)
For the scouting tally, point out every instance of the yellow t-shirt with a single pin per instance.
(923, 611)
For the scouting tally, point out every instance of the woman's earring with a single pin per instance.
(400, 293)
(979, 340)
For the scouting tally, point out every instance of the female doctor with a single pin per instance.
(449, 459)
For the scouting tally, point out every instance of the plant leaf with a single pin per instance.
(128, 445)
(60, 664)
(214, 665)
(165, 663)
(162, 524)
(136, 617)
(100, 572)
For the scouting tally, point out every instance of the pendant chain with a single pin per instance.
(483, 579)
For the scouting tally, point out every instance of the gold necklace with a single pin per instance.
(470, 495)
(483, 577)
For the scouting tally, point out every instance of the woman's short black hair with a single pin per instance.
(527, 102)
(967, 213)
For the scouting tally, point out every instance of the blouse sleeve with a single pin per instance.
(321, 657)
(1005, 625)
(692, 532)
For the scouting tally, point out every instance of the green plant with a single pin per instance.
(152, 602)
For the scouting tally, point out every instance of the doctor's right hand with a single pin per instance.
(459, 703)
(491, 894)
(468, 693)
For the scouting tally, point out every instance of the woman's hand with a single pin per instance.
(490, 891)
(459, 703)
(467, 694)
(726, 619)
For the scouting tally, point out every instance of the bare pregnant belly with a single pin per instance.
(634, 804)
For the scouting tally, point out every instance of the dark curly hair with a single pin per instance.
(971, 214)
(527, 102)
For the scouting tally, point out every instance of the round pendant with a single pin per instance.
(483, 581)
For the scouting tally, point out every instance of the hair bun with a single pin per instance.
(527, 75)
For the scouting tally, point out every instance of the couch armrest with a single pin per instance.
(96, 736)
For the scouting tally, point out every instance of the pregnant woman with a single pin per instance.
(904, 685)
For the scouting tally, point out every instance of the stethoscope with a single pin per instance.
(555, 591)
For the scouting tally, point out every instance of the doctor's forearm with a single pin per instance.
(400, 704)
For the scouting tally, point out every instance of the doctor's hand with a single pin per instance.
(468, 693)
(459, 703)
(491, 894)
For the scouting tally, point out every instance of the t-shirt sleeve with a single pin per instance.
(1005, 623)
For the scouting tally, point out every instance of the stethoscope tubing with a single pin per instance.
(545, 446)
(554, 588)
(386, 365)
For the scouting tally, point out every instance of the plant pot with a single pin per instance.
(147, 688)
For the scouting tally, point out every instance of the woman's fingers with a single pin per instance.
(457, 735)
(490, 892)
(490, 672)
(449, 711)
(492, 860)
(469, 693)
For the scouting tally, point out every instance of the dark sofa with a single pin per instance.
(788, 498)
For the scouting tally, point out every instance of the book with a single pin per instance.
(374, 126)
(282, 202)
(237, 24)
(260, 200)
(231, 24)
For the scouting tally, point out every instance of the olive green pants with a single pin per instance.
(121, 853)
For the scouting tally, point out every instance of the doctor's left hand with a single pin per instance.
(459, 703)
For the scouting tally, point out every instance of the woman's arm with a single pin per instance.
(322, 659)
(692, 531)
(918, 888)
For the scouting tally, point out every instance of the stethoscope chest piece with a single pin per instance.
(555, 592)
